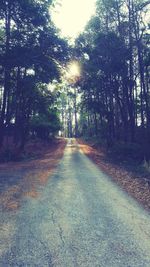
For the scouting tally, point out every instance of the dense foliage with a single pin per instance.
(30, 54)
(115, 53)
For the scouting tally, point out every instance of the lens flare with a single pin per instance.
(73, 71)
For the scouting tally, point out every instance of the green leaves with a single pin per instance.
(44, 125)
(114, 50)
(30, 55)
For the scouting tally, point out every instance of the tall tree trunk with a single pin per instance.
(75, 112)
(143, 85)
(17, 111)
(131, 73)
(6, 72)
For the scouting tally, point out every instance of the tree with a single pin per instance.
(114, 51)
(30, 55)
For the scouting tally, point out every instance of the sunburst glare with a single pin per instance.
(73, 71)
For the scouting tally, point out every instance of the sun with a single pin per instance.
(74, 69)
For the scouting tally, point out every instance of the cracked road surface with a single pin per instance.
(80, 219)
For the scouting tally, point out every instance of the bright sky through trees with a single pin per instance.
(71, 16)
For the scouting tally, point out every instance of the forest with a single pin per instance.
(109, 100)
(115, 52)
(30, 56)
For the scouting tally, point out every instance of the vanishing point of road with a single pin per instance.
(80, 219)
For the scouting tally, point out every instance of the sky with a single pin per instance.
(72, 16)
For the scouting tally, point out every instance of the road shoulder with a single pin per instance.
(133, 184)
(22, 179)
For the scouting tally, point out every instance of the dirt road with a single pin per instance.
(79, 219)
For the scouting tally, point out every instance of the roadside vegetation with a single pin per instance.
(31, 53)
(114, 51)
(131, 177)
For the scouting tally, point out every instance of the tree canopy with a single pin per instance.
(30, 55)
(114, 52)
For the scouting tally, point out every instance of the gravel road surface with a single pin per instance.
(80, 219)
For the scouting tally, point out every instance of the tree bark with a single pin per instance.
(7, 70)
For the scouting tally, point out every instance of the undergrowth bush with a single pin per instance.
(128, 151)
(8, 154)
